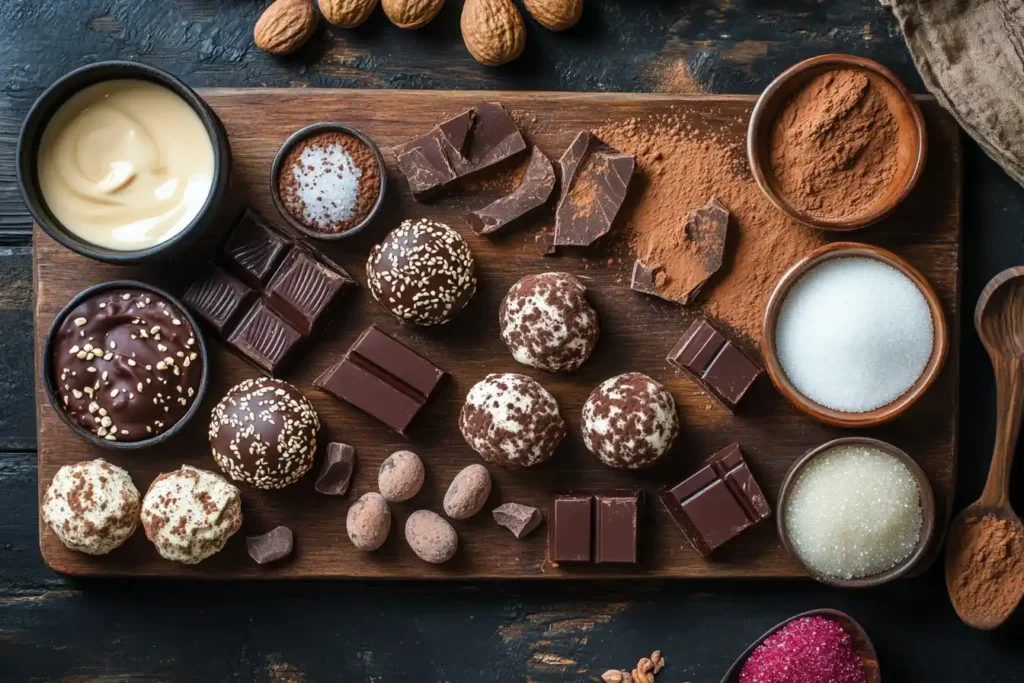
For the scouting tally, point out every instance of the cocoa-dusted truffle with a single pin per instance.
(92, 506)
(423, 272)
(511, 420)
(547, 323)
(263, 432)
(630, 421)
(190, 514)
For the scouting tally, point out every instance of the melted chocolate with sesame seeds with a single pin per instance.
(126, 364)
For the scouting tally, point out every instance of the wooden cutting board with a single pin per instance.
(637, 332)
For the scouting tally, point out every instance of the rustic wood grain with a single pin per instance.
(636, 334)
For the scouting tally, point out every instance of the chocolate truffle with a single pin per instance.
(189, 514)
(126, 364)
(423, 272)
(511, 420)
(630, 421)
(547, 323)
(263, 432)
(92, 506)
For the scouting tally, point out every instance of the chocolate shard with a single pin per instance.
(266, 339)
(336, 473)
(545, 241)
(719, 502)
(219, 300)
(254, 250)
(304, 288)
(616, 527)
(274, 545)
(706, 230)
(384, 378)
(519, 519)
(595, 178)
(717, 365)
(571, 529)
(532, 193)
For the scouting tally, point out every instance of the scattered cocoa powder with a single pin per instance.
(675, 77)
(834, 147)
(681, 168)
(990, 568)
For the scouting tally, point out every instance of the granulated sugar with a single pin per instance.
(854, 511)
(854, 334)
(327, 183)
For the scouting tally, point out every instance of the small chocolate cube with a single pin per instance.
(571, 529)
(254, 250)
(265, 339)
(219, 300)
(616, 526)
(303, 288)
(714, 363)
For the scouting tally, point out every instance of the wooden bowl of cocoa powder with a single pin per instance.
(836, 142)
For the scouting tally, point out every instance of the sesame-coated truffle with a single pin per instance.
(511, 420)
(189, 514)
(263, 432)
(547, 323)
(423, 272)
(630, 421)
(92, 506)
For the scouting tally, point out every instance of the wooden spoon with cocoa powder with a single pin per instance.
(983, 598)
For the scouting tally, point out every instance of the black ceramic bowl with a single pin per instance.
(297, 137)
(47, 367)
(48, 104)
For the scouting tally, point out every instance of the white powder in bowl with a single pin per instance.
(327, 184)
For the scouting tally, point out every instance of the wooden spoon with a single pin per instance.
(862, 645)
(999, 319)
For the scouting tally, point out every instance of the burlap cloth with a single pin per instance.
(971, 56)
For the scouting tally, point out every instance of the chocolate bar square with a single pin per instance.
(571, 529)
(303, 288)
(265, 338)
(219, 300)
(254, 250)
(717, 503)
(714, 363)
(616, 527)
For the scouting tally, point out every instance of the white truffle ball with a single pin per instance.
(630, 421)
(91, 506)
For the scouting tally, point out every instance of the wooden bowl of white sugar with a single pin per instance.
(853, 335)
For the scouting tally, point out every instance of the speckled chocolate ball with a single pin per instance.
(92, 506)
(547, 323)
(263, 432)
(423, 272)
(511, 420)
(431, 537)
(630, 421)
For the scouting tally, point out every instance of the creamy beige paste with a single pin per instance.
(125, 164)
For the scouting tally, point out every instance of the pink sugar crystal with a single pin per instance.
(808, 650)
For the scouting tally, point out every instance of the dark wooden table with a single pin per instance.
(55, 629)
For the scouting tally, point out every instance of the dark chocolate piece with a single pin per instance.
(519, 519)
(265, 338)
(717, 503)
(219, 300)
(616, 527)
(459, 147)
(339, 462)
(545, 240)
(707, 228)
(571, 529)
(303, 289)
(254, 250)
(274, 545)
(714, 363)
(384, 378)
(535, 189)
(595, 178)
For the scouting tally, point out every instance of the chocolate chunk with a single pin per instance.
(219, 300)
(714, 363)
(717, 503)
(383, 378)
(545, 240)
(336, 473)
(303, 289)
(706, 230)
(616, 527)
(571, 529)
(266, 339)
(519, 519)
(535, 189)
(595, 178)
(254, 250)
(274, 545)
(466, 144)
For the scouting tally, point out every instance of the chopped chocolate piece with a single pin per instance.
(384, 378)
(717, 503)
(339, 462)
(219, 300)
(303, 288)
(254, 250)
(546, 243)
(615, 527)
(468, 143)
(714, 363)
(594, 182)
(706, 229)
(274, 545)
(571, 529)
(265, 338)
(519, 519)
(535, 189)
